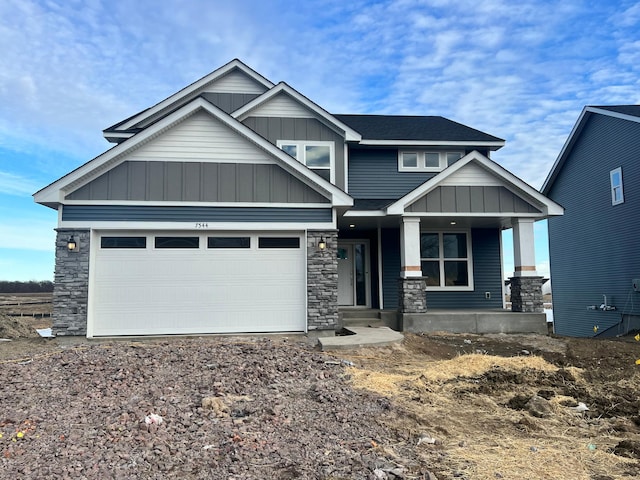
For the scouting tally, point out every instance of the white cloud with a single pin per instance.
(12, 184)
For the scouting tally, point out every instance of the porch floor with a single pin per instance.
(452, 321)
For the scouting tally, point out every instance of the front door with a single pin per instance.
(353, 273)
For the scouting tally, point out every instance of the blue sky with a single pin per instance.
(521, 71)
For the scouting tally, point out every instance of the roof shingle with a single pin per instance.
(406, 127)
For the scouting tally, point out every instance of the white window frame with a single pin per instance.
(442, 259)
(301, 150)
(422, 155)
(616, 187)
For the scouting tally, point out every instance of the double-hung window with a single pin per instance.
(426, 161)
(446, 260)
(617, 192)
(317, 155)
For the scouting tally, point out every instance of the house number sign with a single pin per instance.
(202, 225)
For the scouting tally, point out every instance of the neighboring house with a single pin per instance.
(594, 248)
(239, 205)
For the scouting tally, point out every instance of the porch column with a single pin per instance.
(526, 284)
(410, 248)
(524, 254)
(412, 285)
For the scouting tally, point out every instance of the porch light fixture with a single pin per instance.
(322, 244)
(71, 244)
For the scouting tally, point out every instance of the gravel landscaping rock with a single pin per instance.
(214, 408)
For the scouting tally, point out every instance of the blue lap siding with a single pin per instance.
(114, 213)
(485, 244)
(595, 248)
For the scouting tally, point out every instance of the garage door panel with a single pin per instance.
(166, 291)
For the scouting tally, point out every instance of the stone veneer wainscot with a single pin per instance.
(71, 283)
(322, 281)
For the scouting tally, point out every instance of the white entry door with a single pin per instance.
(353, 273)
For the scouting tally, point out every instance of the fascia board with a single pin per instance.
(431, 143)
(350, 134)
(113, 137)
(53, 192)
(512, 182)
(234, 64)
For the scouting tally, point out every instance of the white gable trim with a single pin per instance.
(573, 136)
(316, 110)
(509, 181)
(54, 193)
(194, 87)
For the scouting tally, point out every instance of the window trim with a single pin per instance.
(442, 259)
(422, 154)
(614, 186)
(301, 153)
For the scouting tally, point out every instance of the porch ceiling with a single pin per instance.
(440, 222)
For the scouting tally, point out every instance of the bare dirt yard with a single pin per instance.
(439, 406)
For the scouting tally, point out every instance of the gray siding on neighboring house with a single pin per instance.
(133, 213)
(197, 182)
(275, 128)
(229, 102)
(472, 199)
(487, 271)
(595, 247)
(373, 173)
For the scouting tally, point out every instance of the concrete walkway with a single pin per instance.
(364, 337)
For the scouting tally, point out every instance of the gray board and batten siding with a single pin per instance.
(152, 213)
(228, 102)
(302, 129)
(197, 182)
(487, 271)
(595, 246)
(471, 199)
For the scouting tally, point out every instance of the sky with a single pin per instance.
(521, 71)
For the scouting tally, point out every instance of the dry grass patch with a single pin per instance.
(467, 404)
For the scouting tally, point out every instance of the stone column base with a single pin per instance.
(526, 294)
(322, 281)
(412, 295)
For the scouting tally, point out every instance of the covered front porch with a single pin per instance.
(433, 259)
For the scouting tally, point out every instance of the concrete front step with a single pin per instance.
(364, 337)
(362, 322)
(360, 313)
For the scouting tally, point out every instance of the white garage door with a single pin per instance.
(198, 283)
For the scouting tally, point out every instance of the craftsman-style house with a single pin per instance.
(240, 205)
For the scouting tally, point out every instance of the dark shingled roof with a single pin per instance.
(633, 110)
(371, 204)
(405, 127)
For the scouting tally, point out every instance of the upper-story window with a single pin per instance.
(426, 161)
(316, 155)
(617, 192)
